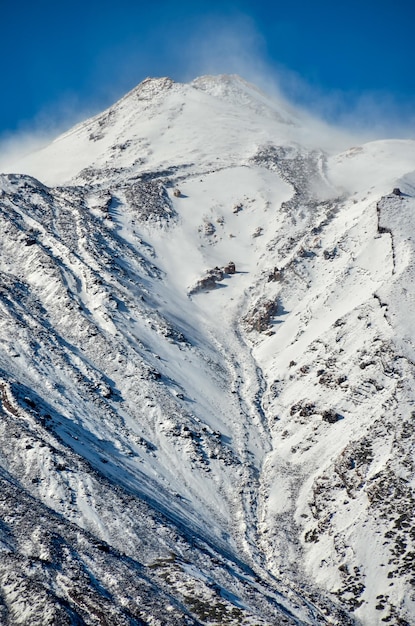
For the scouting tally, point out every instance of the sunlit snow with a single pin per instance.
(242, 448)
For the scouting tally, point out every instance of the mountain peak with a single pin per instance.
(221, 114)
(150, 86)
(241, 93)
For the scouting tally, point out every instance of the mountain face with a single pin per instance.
(207, 369)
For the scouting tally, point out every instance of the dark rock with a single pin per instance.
(329, 255)
(230, 268)
(207, 229)
(331, 416)
(260, 317)
(212, 277)
(276, 275)
(150, 201)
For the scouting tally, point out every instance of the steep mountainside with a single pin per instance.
(207, 368)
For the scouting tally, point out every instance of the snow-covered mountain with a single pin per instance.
(207, 368)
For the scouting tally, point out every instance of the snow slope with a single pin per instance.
(195, 445)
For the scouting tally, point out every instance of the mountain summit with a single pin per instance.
(207, 368)
(161, 123)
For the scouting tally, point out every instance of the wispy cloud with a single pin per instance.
(235, 45)
(31, 135)
(224, 46)
(370, 114)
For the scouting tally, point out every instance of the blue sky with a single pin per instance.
(352, 62)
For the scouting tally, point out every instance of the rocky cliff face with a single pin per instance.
(238, 452)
